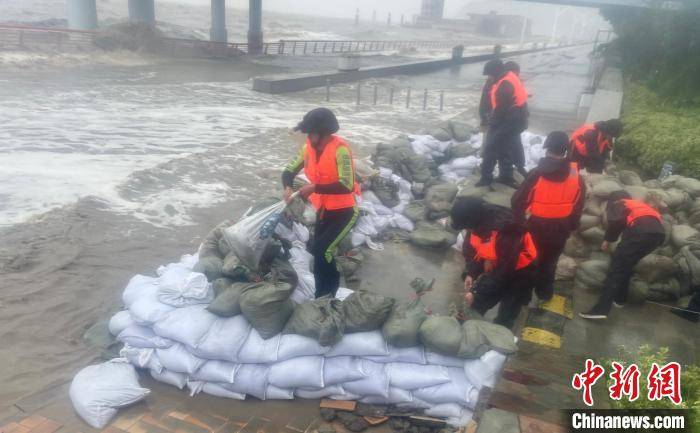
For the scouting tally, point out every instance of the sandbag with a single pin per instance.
(370, 343)
(668, 291)
(210, 266)
(227, 302)
(178, 380)
(439, 197)
(139, 286)
(217, 372)
(395, 396)
(594, 235)
(178, 286)
(224, 339)
(435, 358)
(591, 273)
(219, 390)
(141, 358)
(456, 390)
(629, 177)
(119, 322)
(416, 211)
(385, 190)
(235, 270)
(688, 260)
(655, 268)
(441, 334)
(250, 379)
(294, 345)
(250, 236)
(429, 235)
(257, 350)
(185, 325)
(341, 369)
(98, 391)
(683, 235)
(267, 307)
(143, 337)
(485, 370)
(376, 382)
(461, 131)
(478, 337)
(687, 184)
(566, 268)
(318, 393)
(147, 309)
(366, 311)
(604, 188)
(321, 319)
(637, 192)
(575, 247)
(302, 372)
(401, 327)
(178, 359)
(411, 376)
(588, 221)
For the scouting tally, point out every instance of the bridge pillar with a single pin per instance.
(255, 34)
(218, 32)
(142, 12)
(81, 14)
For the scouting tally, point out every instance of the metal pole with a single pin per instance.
(522, 33)
(328, 89)
(374, 101)
(357, 102)
(425, 99)
(442, 99)
(408, 97)
(255, 34)
(391, 95)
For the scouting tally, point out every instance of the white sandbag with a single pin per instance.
(139, 285)
(173, 378)
(147, 309)
(396, 396)
(189, 260)
(301, 372)
(119, 322)
(143, 337)
(413, 376)
(181, 289)
(300, 259)
(217, 372)
(319, 392)
(461, 421)
(447, 361)
(294, 345)
(178, 359)
(274, 393)
(414, 355)
(445, 410)
(415, 403)
(457, 390)
(370, 343)
(186, 325)
(224, 339)
(345, 396)
(485, 370)
(218, 390)
(257, 350)
(141, 358)
(376, 382)
(343, 292)
(250, 379)
(98, 391)
(370, 197)
(341, 369)
(401, 222)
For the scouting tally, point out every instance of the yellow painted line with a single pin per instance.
(560, 305)
(542, 337)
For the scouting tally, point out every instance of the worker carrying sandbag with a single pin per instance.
(507, 120)
(328, 164)
(642, 233)
(553, 195)
(500, 257)
(592, 143)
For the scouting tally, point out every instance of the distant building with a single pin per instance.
(493, 24)
(432, 9)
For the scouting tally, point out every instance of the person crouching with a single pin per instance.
(500, 257)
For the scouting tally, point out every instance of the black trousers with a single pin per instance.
(632, 248)
(512, 295)
(549, 249)
(499, 148)
(331, 227)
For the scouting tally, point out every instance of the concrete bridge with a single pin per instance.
(669, 4)
(82, 15)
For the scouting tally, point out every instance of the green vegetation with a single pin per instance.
(645, 356)
(656, 132)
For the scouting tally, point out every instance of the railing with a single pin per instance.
(390, 95)
(17, 36)
(306, 47)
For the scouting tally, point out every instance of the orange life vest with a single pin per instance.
(550, 199)
(638, 209)
(519, 92)
(486, 249)
(324, 170)
(580, 145)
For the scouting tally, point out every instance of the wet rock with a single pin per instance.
(352, 422)
(628, 177)
(326, 428)
(327, 414)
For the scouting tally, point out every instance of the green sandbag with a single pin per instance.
(429, 235)
(366, 311)
(401, 328)
(321, 319)
(210, 245)
(439, 197)
(267, 306)
(210, 266)
(385, 190)
(220, 285)
(441, 334)
(415, 211)
(227, 302)
(234, 269)
(479, 336)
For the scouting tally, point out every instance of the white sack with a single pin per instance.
(414, 355)
(224, 339)
(447, 361)
(257, 350)
(186, 325)
(396, 396)
(294, 345)
(173, 378)
(139, 285)
(302, 372)
(184, 287)
(98, 391)
(147, 309)
(376, 382)
(370, 343)
(217, 390)
(457, 390)
(341, 369)
(143, 337)
(119, 322)
(445, 410)
(412, 376)
(217, 372)
(343, 292)
(141, 358)
(178, 359)
(248, 237)
(485, 370)
(319, 392)
(250, 379)
(274, 393)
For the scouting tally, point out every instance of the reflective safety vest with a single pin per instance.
(549, 199)
(580, 145)
(324, 170)
(519, 92)
(638, 209)
(486, 249)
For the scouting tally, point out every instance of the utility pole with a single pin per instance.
(357, 17)
(388, 20)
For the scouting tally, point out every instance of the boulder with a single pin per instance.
(682, 235)
(628, 177)
(439, 197)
